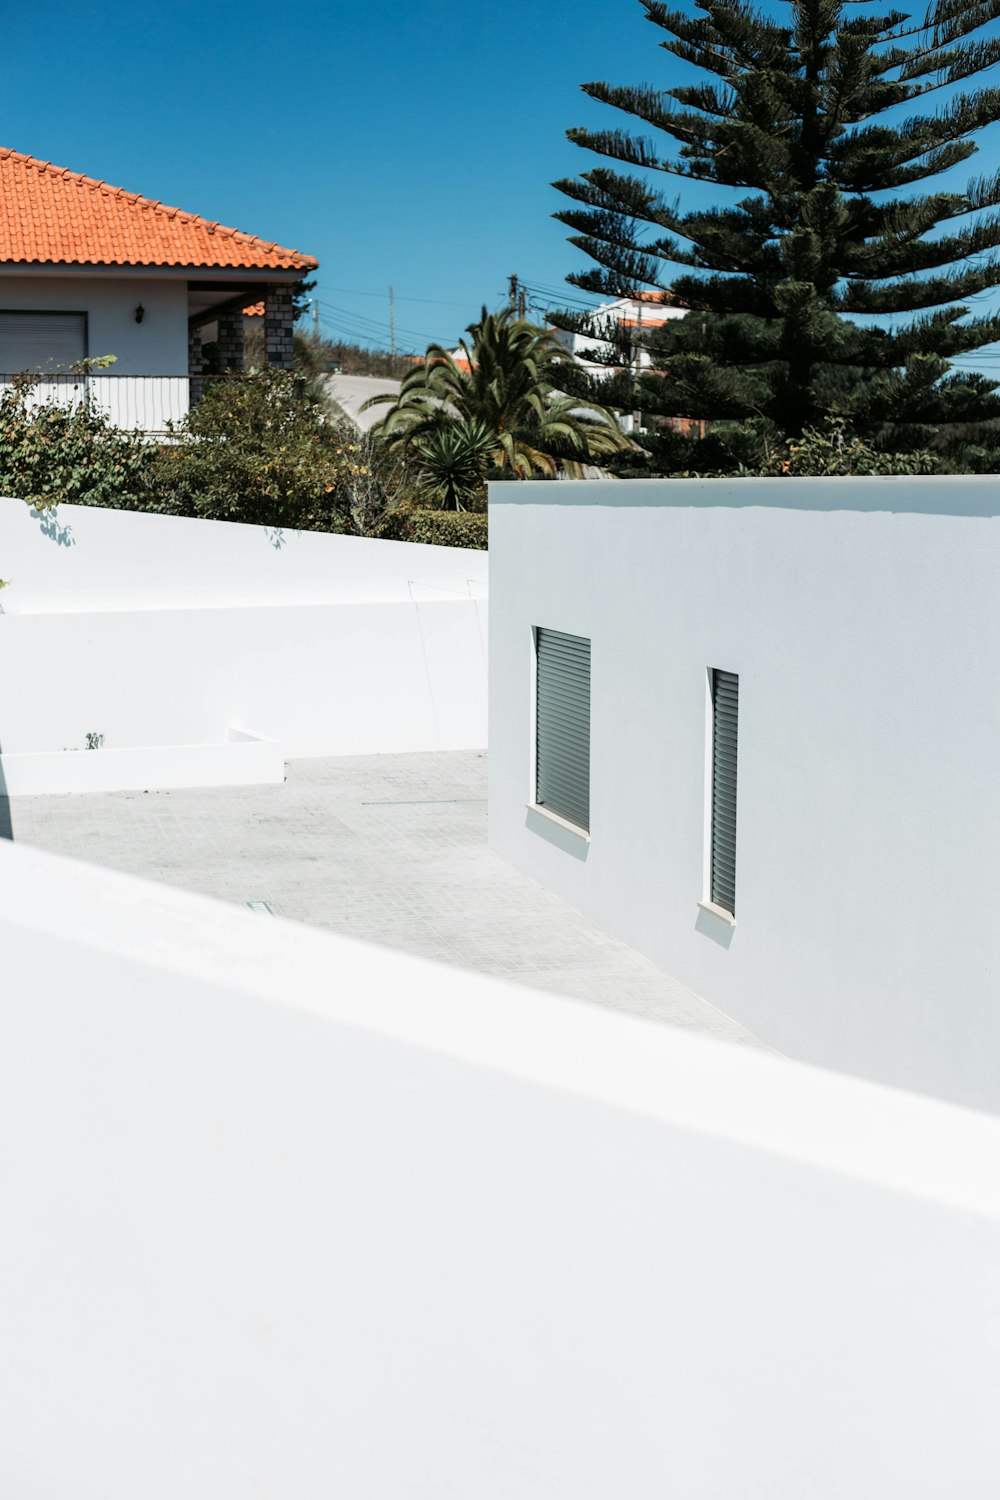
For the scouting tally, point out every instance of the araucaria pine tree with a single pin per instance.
(823, 120)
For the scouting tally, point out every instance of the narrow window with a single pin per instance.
(562, 726)
(725, 721)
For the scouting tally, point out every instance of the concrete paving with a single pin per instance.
(387, 848)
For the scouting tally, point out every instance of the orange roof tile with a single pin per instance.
(51, 216)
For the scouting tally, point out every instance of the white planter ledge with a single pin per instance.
(243, 759)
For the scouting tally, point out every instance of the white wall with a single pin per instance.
(156, 346)
(862, 618)
(160, 631)
(79, 558)
(285, 1215)
(241, 759)
(322, 680)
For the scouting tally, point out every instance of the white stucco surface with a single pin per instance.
(159, 631)
(862, 619)
(78, 558)
(285, 1214)
(156, 346)
(241, 759)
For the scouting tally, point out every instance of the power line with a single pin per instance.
(346, 291)
(379, 325)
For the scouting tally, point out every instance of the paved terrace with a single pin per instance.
(387, 848)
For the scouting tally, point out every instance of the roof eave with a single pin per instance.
(104, 268)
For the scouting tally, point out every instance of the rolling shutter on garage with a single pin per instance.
(41, 341)
(725, 722)
(562, 744)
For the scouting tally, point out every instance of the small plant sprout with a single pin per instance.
(94, 740)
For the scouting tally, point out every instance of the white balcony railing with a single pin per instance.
(151, 404)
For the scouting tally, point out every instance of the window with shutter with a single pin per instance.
(41, 341)
(725, 720)
(562, 726)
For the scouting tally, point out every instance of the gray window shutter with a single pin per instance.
(41, 341)
(725, 722)
(562, 745)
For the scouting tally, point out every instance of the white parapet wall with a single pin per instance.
(243, 759)
(862, 617)
(159, 633)
(285, 1215)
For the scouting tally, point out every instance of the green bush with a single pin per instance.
(440, 528)
(52, 452)
(258, 449)
(834, 449)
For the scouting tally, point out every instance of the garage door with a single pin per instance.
(41, 341)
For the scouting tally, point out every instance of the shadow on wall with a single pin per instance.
(50, 526)
(6, 826)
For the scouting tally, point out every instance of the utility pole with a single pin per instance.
(637, 417)
(392, 323)
(517, 296)
(315, 313)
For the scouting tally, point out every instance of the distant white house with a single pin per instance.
(88, 270)
(639, 314)
(753, 727)
(646, 311)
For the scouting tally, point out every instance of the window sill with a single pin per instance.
(718, 911)
(564, 823)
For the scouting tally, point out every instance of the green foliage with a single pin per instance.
(257, 449)
(506, 393)
(440, 528)
(451, 463)
(373, 481)
(52, 452)
(832, 450)
(318, 356)
(800, 114)
(253, 449)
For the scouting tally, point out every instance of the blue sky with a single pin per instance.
(399, 143)
(410, 144)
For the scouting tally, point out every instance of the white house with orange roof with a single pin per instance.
(89, 270)
(644, 311)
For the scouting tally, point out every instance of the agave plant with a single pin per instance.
(503, 380)
(451, 462)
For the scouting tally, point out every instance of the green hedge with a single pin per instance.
(441, 528)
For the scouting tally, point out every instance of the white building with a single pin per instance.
(839, 641)
(285, 1214)
(88, 270)
(637, 314)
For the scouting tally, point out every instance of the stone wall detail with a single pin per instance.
(279, 319)
(229, 343)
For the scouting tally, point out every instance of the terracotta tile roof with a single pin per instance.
(51, 216)
(256, 311)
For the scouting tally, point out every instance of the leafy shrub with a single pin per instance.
(834, 450)
(258, 449)
(439, 528)
(52, 452)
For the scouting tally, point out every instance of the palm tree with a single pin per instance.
(504, 379)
